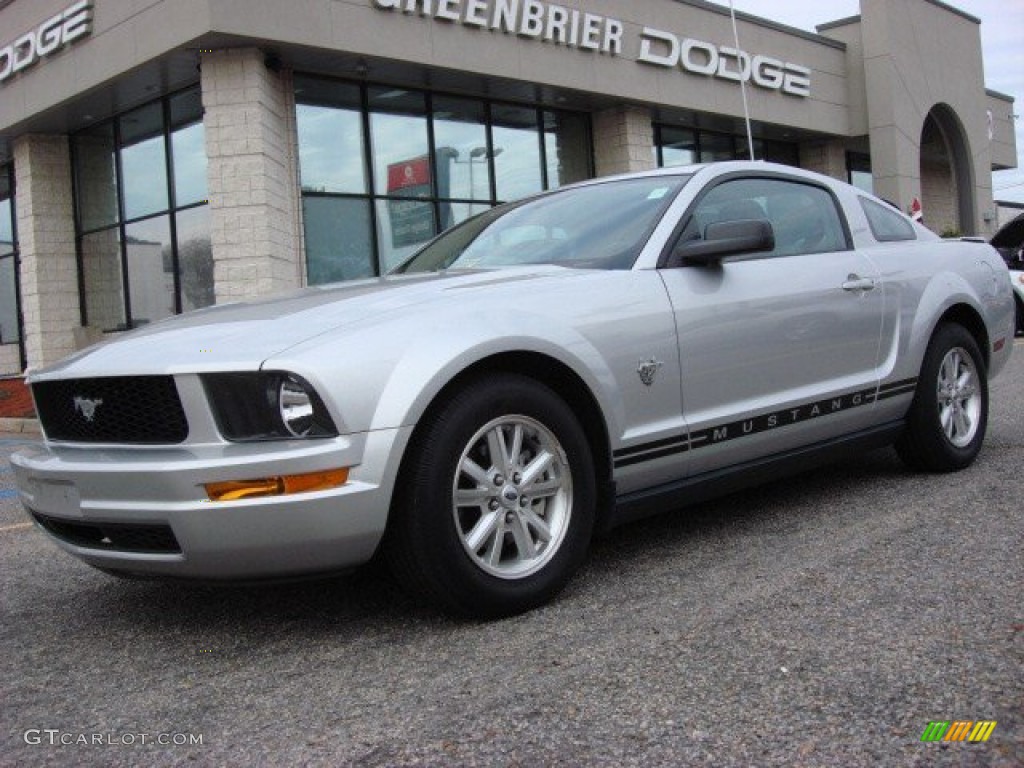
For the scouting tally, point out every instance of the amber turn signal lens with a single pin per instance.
(232, 490)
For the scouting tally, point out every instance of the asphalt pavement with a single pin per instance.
(823, 620)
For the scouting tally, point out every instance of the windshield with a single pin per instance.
(599, 226)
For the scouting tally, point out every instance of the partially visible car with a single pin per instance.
(552, 367)
(1009, 241)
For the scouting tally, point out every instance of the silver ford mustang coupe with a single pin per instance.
(544, 371)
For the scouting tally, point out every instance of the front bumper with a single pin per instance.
(160, 521)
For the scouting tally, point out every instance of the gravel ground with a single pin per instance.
(818, 621)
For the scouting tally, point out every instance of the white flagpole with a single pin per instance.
(743, 81)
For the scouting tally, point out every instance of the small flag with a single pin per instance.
(915, 210)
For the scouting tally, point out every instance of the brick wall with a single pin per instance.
(46, 240)
(623, 141)
(252, 176)
(825, 157)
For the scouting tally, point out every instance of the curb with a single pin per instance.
(24, 426)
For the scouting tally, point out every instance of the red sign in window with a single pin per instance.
(409, 173)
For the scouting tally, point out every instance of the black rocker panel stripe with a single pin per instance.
(735, 430)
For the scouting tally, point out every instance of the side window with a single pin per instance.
(804, 217)
(886, 224)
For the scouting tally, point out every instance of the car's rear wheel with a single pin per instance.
(496, 501)
(949, 415)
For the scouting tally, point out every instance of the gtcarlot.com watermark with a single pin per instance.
(54, 737)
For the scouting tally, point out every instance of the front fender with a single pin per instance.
(383, 372)
(429, 365)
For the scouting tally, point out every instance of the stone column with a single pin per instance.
(623, 141)
(253, 183)
(46, 241)
(825, 157)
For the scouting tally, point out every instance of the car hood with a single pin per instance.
(241, 336)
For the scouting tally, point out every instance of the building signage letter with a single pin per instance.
(49, 37)
(560, 25)
(647, 53)
(725, 55)
(709, 63)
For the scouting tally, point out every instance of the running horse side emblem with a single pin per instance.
(647, 370)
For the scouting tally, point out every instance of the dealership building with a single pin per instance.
(162, 155)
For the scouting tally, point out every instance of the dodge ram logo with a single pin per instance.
(87, 407)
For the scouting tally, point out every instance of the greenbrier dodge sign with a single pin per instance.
(573, 28)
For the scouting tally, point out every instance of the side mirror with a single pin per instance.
(726, 238)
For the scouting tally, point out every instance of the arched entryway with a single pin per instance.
(947, 176)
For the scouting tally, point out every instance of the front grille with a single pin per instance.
(116, 409)
(118, 537)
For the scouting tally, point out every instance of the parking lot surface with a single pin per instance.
(821, 620)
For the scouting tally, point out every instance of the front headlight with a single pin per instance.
(268, 405)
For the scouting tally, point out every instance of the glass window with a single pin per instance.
(95, 177)
(516, 152)
(858, 167)
(600, 226)
(461, 154)
(104, 283)
(678, 146)
(357, 226)
(715, 147)
(144, 252)
(685, 146)
(195, 258)
(9, 331)
(143, 161)
(188, 147)
(8, 300)
(804, 217)
(330, 128)
(403, 226)
(339, 238)
(398, 131)
(887, 224)
(781, 152)
(566, 148)
(150, 269)
(6, 223)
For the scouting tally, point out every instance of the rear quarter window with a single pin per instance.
(886, 224)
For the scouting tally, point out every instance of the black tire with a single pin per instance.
(927, 443)
(1020, 316)
(429, 538)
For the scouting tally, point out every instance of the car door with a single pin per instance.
(778, 349)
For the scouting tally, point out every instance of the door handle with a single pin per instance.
(858, 283)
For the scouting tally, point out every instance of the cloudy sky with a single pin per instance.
(1002, 38)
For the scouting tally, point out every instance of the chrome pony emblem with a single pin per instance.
(87, 407)
(647, 370)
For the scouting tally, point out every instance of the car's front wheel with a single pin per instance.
(496, 501)
(949, 414)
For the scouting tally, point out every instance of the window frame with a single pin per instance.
(665, 258)
(375, 196)
(866, 204)
(167, 128)
(7, 169)
(739, 144)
